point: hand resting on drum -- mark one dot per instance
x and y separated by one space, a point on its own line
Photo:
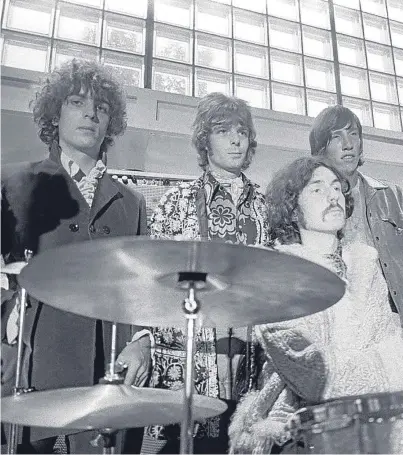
136 359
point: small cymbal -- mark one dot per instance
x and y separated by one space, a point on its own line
135 280
14 268
104 406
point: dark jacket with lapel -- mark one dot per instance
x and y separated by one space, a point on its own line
42 208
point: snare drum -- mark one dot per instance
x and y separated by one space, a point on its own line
370 423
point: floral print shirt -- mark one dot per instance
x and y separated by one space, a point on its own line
202 209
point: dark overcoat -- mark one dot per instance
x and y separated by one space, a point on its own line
42 208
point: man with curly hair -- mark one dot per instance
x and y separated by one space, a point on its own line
68 198
352 348
378 216
222 204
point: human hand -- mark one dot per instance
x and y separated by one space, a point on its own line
136 358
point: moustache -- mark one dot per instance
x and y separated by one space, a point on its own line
332 207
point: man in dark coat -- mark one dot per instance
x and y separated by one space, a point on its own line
68 198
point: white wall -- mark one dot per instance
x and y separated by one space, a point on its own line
158 134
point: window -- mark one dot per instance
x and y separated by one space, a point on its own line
256 92
317 43
285 35
35 16
212 81
317 101
171 78
28 53
251 60
286 67
276 54
250 27
354 82
78 24
351 51
173 44
288 99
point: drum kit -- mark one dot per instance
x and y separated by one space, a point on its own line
170 283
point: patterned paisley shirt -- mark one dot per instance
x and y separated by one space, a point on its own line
202 209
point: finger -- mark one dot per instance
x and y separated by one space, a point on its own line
141 380
132 373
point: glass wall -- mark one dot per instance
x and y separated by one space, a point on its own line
295 56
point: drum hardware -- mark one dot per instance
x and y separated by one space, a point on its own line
142 274
13 435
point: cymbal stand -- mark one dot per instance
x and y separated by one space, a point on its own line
13 435
111 377
191 307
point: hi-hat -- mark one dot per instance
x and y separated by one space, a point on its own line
104 406
135 280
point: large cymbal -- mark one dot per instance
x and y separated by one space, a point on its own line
134 280
104 406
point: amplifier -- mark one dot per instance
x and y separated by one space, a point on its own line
152 185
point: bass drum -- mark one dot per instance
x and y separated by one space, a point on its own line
370 423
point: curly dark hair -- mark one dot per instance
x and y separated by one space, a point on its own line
69 79
283 192
330 119
217 108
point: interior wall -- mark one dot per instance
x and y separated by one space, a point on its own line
158 135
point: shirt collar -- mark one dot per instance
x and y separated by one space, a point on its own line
373 183
210 184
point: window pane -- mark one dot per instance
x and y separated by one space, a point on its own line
285 35
63 52
95 3
319 74
124 34
213 18
398 61
172 78
126 68
31 53
213 52
354 82
131 7
212 81
178 12
173 44
400 90
78 24
315 12
317 101
255 92
348 21
288 99
377 7
379 57
286 67
351 51
396 30
317 42
35 16
250 26
376 29
361 108
288 9
251 60
349 3
395 10
383 88
256 5
386 117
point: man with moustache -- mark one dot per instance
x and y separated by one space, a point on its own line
377 219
